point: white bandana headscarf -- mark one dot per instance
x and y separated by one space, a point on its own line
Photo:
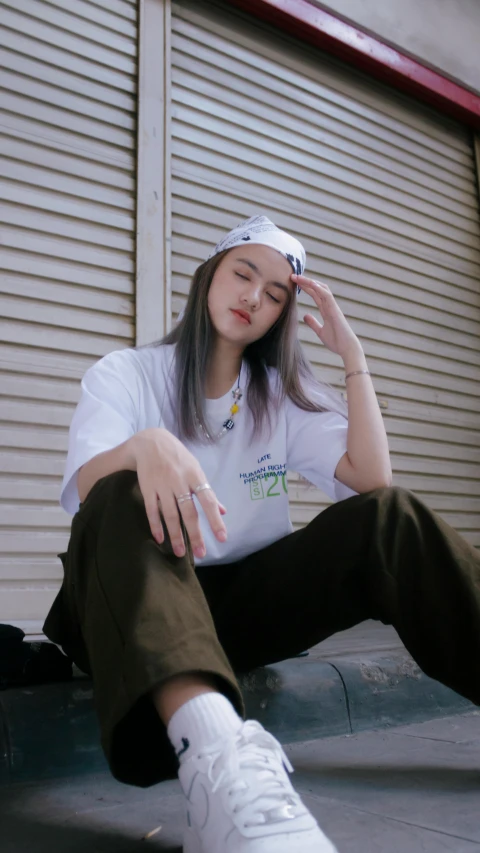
261 230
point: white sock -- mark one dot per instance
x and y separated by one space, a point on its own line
200 722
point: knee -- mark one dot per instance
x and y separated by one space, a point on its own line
391 493
394 495
124 485
118 486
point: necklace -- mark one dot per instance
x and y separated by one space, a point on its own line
227 425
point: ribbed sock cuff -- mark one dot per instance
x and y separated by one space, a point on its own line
202 721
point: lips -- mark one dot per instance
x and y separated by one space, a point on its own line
243 314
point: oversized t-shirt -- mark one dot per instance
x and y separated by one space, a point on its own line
131 390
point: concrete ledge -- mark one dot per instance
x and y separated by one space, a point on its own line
392 691
306 699
297 699
51 730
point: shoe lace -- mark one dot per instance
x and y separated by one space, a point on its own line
255 749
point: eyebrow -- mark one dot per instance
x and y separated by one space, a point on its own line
255 269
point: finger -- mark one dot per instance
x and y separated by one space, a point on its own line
306 280
171 517
211 508
153 514
319 293
313 324
311 286
189 514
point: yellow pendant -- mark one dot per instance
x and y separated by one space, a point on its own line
234 409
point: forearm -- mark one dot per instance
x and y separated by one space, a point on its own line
120 458
367 443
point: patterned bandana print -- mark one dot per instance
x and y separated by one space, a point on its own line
261 230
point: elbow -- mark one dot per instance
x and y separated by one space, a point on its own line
81 486
385 480
381 480
386 484
389 475
364 479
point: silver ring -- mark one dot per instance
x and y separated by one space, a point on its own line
183 498
201 488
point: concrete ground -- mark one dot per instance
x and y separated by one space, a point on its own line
402 790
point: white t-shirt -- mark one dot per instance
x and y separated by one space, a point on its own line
130 390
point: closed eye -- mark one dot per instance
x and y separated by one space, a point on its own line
246 278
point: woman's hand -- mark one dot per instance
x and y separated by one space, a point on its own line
336 334
166 470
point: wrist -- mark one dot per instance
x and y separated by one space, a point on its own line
354 359
130 453
135 447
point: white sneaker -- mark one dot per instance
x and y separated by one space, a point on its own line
240 799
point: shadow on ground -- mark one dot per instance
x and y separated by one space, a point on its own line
95 814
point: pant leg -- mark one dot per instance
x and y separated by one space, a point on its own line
381 555
134 614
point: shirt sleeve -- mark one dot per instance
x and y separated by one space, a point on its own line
316 441
106 415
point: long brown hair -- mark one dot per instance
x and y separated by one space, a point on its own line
278 348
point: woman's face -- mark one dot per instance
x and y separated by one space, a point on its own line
253 281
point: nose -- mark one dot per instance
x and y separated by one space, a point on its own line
251 295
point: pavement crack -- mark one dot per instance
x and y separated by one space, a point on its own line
437 739
347 700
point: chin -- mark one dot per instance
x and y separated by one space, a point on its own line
240 337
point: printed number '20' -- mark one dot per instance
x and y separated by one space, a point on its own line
270 493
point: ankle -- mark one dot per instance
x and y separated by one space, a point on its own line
177 691
201 722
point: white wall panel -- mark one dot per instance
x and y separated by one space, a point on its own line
67 266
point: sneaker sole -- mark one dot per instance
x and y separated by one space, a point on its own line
191 842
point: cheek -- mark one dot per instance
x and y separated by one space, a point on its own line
212 299
270 319
279 311
218 289
280 314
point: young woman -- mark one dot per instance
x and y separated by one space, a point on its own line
182 568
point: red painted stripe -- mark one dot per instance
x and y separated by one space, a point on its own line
325 31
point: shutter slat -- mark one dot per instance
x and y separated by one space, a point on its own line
29 287
83 39
191 74
18 488
21 46
80 209
57 161
53 338
330 85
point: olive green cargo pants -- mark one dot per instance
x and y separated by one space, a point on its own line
133 614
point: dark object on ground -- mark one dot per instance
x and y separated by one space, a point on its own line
23 663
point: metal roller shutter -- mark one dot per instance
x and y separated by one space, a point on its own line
67 228
381 190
